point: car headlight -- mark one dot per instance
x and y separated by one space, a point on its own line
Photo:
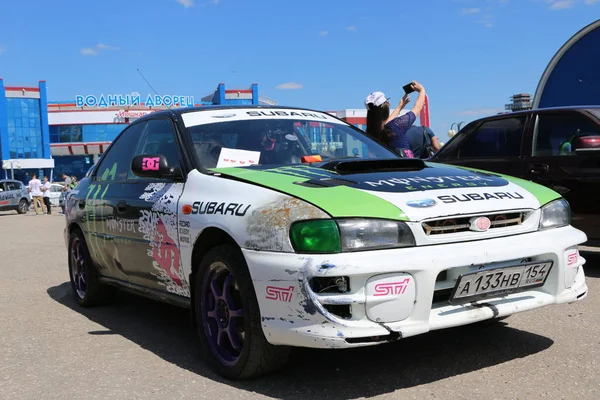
335 236
555 215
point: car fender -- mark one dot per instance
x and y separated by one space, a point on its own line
257 218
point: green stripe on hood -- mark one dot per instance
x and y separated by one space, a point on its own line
544 194
337 201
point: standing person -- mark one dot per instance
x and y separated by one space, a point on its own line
67 180
390 128
35 188
419 137
46 190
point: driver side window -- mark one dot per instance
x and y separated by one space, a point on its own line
158 138
115 164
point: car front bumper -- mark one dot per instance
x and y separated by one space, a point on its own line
294 312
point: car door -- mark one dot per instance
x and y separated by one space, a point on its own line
12 194
492 144
102 221
555 162
151 256
4 196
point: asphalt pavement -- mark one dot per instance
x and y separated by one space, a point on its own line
140 349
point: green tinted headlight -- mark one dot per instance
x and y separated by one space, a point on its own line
315 236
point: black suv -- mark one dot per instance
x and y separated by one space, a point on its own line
556 147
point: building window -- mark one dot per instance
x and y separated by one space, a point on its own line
24 128
85 133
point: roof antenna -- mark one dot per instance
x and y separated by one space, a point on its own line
154 90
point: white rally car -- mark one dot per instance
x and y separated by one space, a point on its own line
285 227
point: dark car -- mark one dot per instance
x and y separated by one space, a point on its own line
13 196
556 147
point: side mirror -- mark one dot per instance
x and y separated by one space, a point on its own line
153 166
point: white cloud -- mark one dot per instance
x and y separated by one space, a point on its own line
590 2
324 33
103 46
561 4
94 51
2 49
88 51
289 86
470 11
186 3
351 28
480 111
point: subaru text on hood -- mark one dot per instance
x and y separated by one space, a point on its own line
282 227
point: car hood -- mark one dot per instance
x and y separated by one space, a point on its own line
405 190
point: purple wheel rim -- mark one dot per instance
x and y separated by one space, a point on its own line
78 270
222 314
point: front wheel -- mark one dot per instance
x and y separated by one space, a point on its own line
88 291
23 206
228 318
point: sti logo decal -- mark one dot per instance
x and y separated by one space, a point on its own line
480 196
422 203
213 207
391 288
280 294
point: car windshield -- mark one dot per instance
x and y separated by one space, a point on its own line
286 141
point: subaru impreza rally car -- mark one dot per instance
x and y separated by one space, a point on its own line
285 227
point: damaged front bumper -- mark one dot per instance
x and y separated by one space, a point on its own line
362 298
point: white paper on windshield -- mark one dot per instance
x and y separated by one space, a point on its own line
237 158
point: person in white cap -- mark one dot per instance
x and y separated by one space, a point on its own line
390 128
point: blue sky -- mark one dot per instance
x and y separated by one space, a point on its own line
471 55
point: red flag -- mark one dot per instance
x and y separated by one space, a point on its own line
425 113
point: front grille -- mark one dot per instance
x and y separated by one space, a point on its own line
463 224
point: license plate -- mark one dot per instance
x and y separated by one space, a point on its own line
498 281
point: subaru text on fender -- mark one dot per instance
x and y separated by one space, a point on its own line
285 227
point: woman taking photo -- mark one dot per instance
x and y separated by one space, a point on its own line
390 128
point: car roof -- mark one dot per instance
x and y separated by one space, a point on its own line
539 110
184 110
10 180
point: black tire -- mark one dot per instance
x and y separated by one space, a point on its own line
23 206
95 293
257 357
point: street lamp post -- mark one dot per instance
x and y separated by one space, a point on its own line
453 132
12 164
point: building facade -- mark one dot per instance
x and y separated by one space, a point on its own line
519 102
24 132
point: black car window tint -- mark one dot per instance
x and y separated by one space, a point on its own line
556 134
115 164
159 138
496 138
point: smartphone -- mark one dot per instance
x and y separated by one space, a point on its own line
408 88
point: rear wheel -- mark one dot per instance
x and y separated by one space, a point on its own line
88 291
23 206
228 318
